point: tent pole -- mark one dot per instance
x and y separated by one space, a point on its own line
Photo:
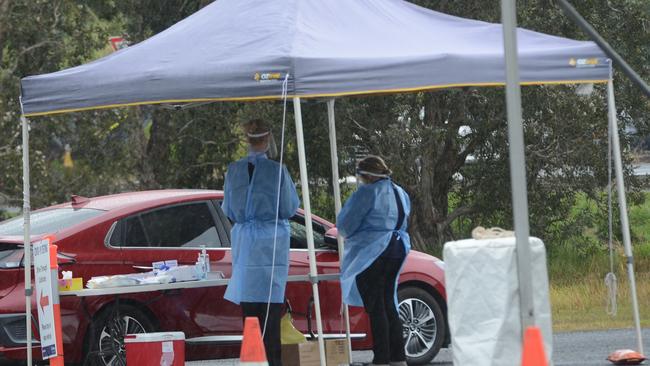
337 207
620 189
517 164
304 183
26 240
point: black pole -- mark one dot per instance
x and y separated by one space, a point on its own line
571 12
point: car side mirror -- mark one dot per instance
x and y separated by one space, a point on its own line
65 259
330 238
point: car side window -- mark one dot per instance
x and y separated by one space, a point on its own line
223 224
185 225
299 233
134 232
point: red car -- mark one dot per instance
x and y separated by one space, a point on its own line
125 233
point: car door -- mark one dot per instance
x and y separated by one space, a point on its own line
177 232
299 294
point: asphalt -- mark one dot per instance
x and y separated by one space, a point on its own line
569 349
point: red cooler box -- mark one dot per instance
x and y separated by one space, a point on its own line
155 349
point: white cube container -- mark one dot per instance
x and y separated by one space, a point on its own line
483 300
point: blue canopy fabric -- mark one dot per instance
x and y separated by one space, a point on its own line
244 49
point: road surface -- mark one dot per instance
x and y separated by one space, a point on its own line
570 349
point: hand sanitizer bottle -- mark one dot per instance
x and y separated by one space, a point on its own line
206 260
200 267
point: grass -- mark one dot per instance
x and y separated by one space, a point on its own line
578 293
583 304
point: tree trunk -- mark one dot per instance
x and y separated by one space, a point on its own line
4 16
429 209
443 155
146 177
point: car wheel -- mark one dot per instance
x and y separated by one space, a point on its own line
108 330
423 324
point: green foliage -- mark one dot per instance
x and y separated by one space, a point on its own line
58 34
418 134
585 252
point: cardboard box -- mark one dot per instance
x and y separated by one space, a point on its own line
300 354
336 352
306 353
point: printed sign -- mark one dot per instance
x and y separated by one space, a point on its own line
43 280
117 43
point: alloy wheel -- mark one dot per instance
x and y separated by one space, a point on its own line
112 350
418 327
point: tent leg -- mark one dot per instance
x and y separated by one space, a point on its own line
337 206
625 226
517 164
304 182
26 239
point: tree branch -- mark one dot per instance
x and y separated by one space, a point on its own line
201 165
26 50
185 126
180 10
355 122
458 212
34 46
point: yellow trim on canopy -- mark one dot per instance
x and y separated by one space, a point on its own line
275 97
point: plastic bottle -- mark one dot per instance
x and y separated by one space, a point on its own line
200 266
206 261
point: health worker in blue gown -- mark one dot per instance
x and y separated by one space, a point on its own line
373 222
260 247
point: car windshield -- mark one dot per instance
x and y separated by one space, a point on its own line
48 221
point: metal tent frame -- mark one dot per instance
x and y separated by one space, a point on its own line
520 206
518 178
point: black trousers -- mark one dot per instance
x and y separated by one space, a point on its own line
377 288
272 336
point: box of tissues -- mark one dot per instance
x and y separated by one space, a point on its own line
68 283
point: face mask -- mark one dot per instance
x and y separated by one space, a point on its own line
360 181
360 172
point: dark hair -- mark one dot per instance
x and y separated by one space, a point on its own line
254 127
374 164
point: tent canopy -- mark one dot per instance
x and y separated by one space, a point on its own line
243 49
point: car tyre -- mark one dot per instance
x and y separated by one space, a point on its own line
423 324
107 331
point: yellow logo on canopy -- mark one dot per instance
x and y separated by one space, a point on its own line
584 62
267 76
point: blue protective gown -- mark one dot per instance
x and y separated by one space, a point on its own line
252 206
367 221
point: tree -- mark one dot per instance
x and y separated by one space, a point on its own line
113 150
448 148
40 36
566 134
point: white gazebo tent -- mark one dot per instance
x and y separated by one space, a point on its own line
243 50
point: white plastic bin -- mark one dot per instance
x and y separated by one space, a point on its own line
483 300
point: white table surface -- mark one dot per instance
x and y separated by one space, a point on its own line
213 280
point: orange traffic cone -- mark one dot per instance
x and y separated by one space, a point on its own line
533 354
252 346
